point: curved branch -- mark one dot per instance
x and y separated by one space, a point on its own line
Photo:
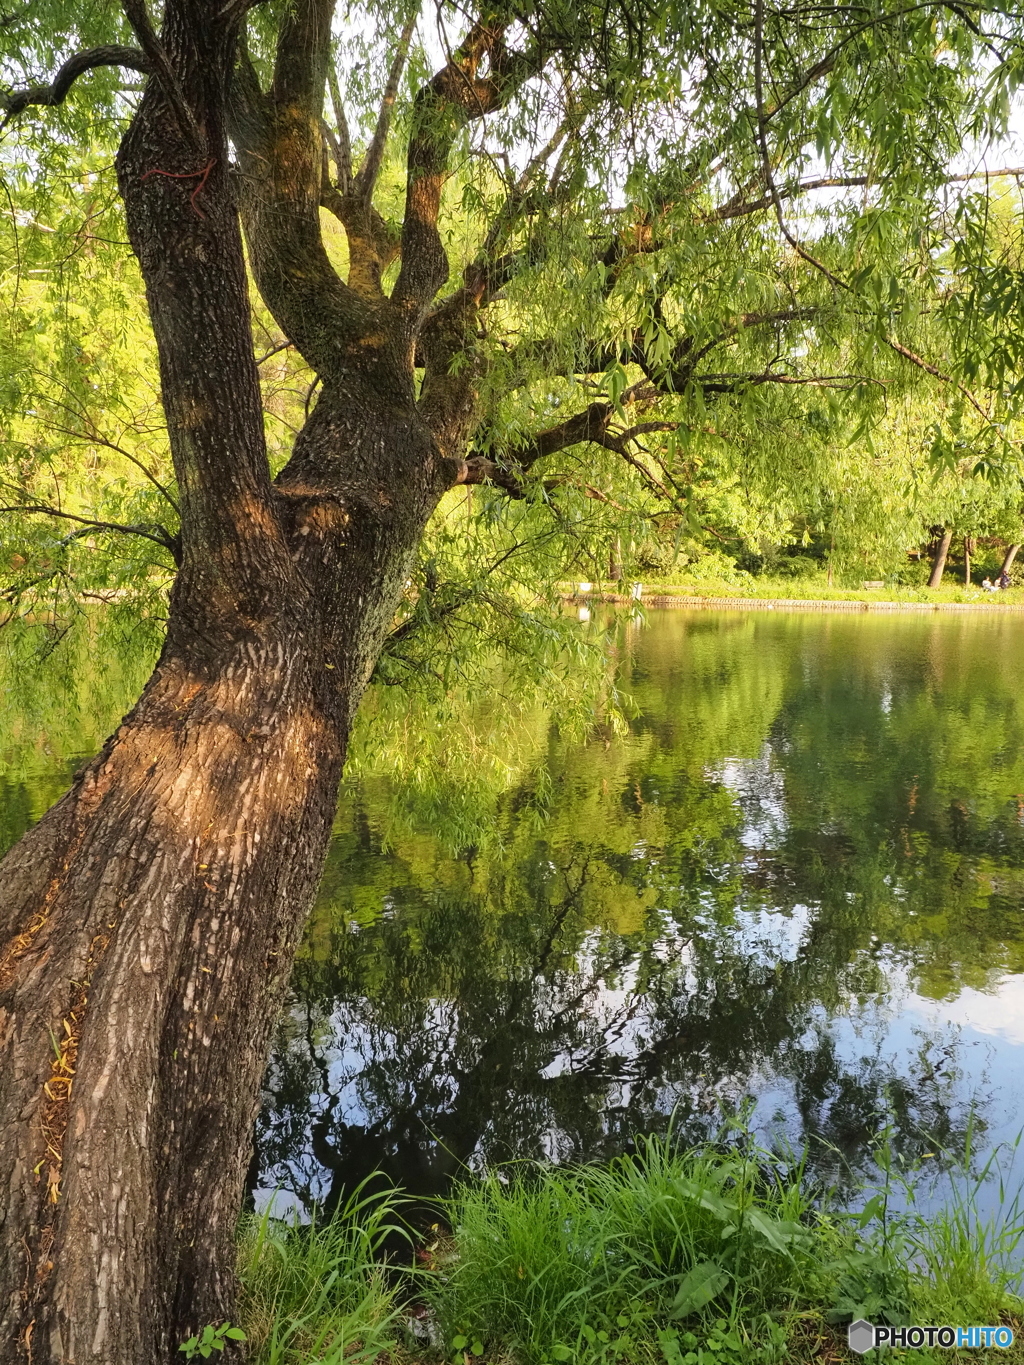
941 375
827 63
592 424
156 534
16 101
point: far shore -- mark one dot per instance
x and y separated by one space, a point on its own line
658 595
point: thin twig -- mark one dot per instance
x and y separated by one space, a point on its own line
739 208
274 350
93 438
159 536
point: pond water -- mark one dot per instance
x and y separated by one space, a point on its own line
796 885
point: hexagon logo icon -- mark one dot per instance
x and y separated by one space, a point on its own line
861 1336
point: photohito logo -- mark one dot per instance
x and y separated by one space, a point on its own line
864 1336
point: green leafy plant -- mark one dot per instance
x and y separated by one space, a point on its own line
211 1339
548 1257
461 1344
724 1254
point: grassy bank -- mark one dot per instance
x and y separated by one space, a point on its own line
721 1255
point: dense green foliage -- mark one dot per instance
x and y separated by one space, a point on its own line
709 1255
320 1291
796 374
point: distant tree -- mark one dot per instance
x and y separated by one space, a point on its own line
636 173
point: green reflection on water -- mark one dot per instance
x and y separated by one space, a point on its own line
812 833
812 820
61 694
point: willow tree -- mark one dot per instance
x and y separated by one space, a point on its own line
148 921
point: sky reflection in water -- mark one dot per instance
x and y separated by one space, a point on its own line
799 879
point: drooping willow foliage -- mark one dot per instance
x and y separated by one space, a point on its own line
755 253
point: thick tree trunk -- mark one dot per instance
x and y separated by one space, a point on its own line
1008 558
148 923
143 961
939 561
968 551
147 929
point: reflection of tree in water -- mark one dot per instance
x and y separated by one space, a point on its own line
576 1042
653 941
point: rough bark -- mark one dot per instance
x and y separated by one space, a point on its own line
939 559
148 923
1008 558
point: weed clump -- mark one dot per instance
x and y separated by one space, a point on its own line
724 1255
319 1291
721 1255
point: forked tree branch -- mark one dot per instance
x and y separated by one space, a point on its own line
456 95
372 245
594 424
450 328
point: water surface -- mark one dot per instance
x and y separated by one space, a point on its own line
797 883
